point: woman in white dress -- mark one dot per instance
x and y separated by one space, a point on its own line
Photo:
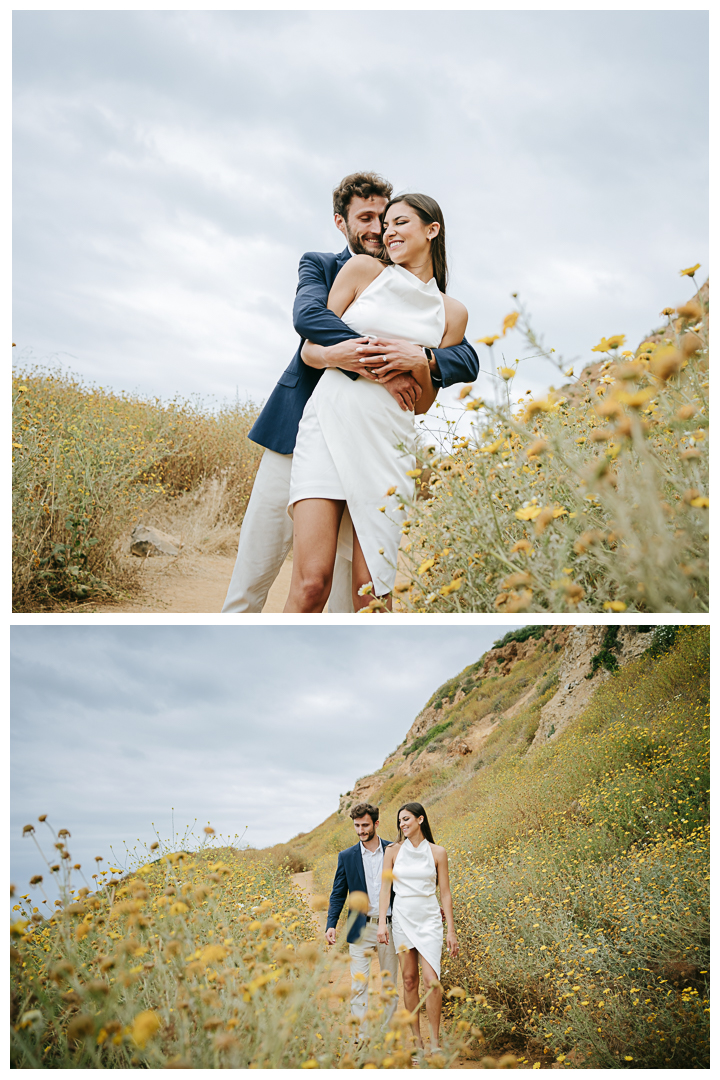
349 482
416 867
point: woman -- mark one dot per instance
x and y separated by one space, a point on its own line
349 480
417 866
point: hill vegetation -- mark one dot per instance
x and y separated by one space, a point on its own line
579 868
89 464
592 498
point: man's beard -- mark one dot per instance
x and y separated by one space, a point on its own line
356 244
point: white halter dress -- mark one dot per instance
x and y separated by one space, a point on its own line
416 919
347 443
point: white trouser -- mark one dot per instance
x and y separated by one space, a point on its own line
360 956
265 540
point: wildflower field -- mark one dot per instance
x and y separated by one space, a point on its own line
579 870
204 959
88 464
591 499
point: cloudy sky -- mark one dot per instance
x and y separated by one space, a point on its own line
264 727
172 166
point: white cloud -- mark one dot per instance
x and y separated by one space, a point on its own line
114 726
171 167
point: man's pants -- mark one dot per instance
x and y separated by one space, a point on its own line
265 540
360 969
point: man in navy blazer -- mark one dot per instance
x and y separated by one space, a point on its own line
266 535
359 869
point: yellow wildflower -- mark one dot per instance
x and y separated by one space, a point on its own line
509 321
145 1025
690 272
608 344
487 340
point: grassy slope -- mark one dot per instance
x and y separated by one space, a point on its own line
579 870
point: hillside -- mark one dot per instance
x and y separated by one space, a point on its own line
574 807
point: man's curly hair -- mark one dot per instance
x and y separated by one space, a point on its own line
363 184
363 808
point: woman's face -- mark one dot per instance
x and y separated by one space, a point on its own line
409 824
406 237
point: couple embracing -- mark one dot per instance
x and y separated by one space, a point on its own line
404 920
379 337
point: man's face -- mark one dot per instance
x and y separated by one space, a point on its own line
362 228
364 827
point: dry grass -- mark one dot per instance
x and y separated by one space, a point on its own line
587 501
88 465
199 959
579 870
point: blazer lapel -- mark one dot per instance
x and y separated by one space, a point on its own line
360 867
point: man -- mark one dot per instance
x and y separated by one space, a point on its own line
266 535
359 869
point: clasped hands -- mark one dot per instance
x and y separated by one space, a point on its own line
384 360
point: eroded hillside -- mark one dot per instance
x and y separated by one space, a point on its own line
575 814
545 679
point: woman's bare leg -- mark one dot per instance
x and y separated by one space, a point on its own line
433 1002
361 576
411 985
316 523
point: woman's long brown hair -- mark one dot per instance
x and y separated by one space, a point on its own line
428 211
417 811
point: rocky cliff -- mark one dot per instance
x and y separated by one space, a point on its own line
555 672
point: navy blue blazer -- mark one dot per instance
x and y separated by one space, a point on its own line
276 426
349 877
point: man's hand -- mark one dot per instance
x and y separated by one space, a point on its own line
405 389
330 935
346 355
395 357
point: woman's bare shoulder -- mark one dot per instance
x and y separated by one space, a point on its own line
438 851
361 268
454 309
456 319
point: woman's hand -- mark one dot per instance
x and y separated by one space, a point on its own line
452 943
382 933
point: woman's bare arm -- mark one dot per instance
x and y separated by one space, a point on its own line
456 318
353 278
441 863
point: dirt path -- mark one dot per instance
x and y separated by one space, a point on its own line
341 976
191 583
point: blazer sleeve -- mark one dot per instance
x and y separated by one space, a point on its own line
338 894
312 318
459 363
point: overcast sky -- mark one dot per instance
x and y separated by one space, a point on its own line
264 727
172 166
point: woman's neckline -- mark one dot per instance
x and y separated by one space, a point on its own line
431 284
416 846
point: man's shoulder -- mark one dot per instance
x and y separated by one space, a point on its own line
326 258
349 850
